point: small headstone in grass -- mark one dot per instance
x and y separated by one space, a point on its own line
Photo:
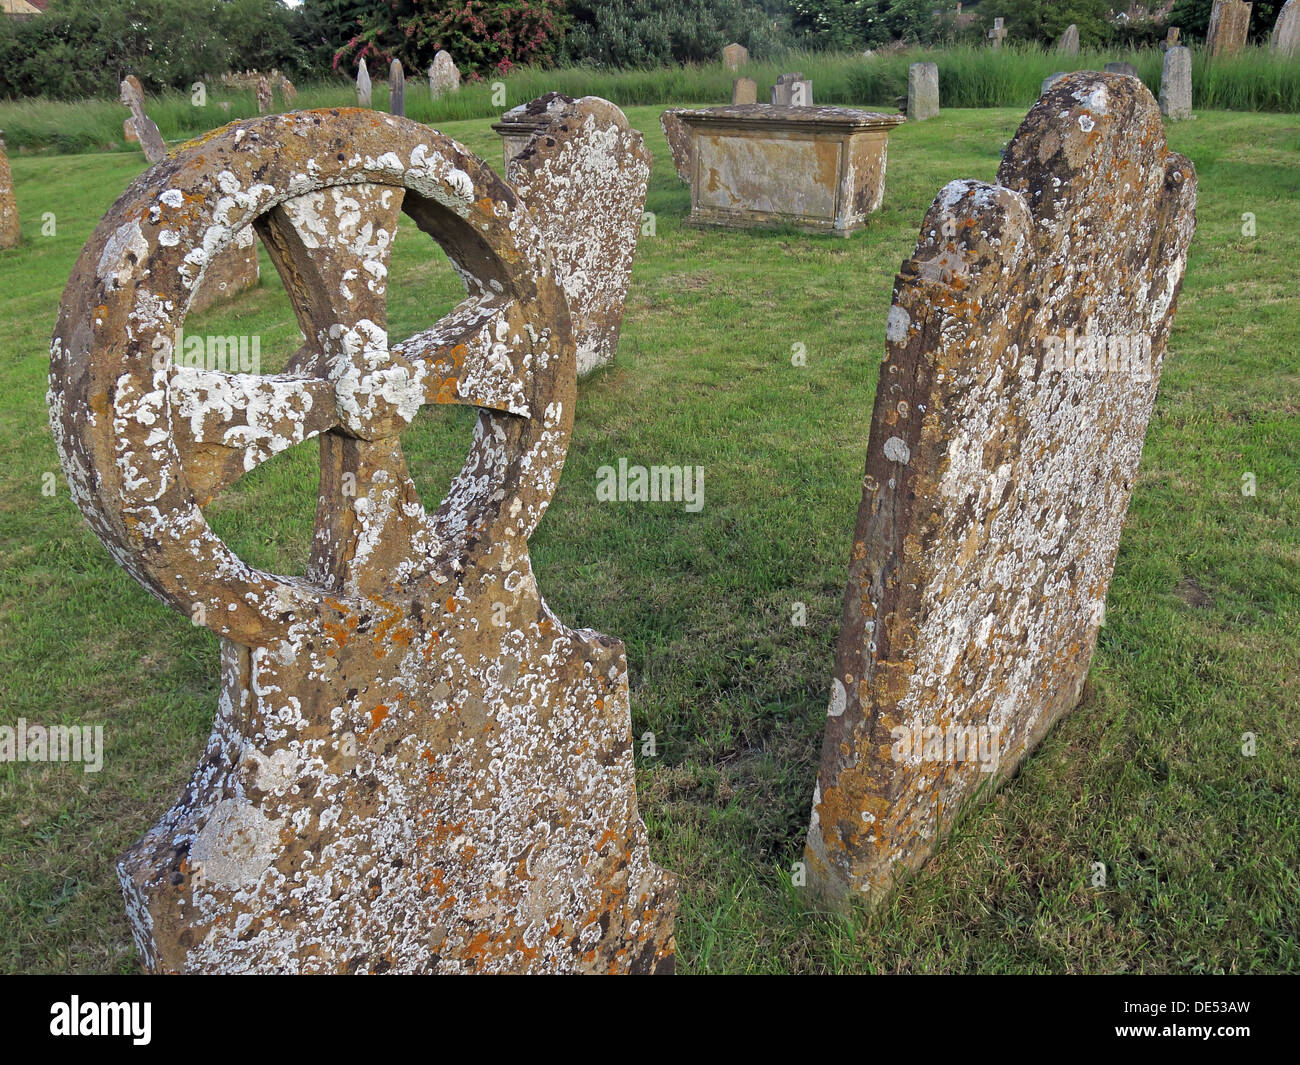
735 56
396 88
150 139
1023 352
10 231
1286 31
998 32
1229 27
744 91
922 91
792 90
230 272
444 75
1051 80
1068 42
1176 84
1171 38
1122 68
265 101
363 85
287 92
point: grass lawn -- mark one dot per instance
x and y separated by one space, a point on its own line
1201 643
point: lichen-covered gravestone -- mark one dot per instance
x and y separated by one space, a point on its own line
744 91
444 76
1068 42
1286 31
364 88
151 142
10 231
1229 27
415 765
396 89
735 56
1024 347
922 91
1176 84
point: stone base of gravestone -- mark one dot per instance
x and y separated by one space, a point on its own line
1123 68
1176 84
922 91
233 271
1286 31
744 91
10 231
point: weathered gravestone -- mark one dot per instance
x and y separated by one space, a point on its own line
415 766
287 92
735 56
1171 38
744 91
1286 31
520 124
1068 42
10 231
922 91
681 142
792 90
1127 69
444 76
998 32
1176 84
591 170
265 101
1229 27
151 142
1024 346
1051 80
363 85
396 89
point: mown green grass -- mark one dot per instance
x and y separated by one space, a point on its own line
1200 643
1255 80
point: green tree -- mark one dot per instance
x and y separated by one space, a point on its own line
646 33
1045 20
854 24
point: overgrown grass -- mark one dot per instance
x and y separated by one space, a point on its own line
1255 80
1200 643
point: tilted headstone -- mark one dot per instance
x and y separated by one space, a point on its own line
416 766
151 142
1286 31
681 143
1024 347
744 91
396 89
1068 42
229 272
735 56
1051 80
10 231
444 76
265 101
1176 84
1127 69
287 92
363 85
1229 27
998 32
792 90
922 91
591 170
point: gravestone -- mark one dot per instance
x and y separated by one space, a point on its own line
1171 38
151 142
1229 27
1127 69
998 32
1068 42
1176 84
415 766
287 92
265 101
735 56
444 76
10 231
1051 80
792 90
744 91
396 89
591 169
1024 347
128 132
520 124
363 85
1286 31
229 272
681 142
922 91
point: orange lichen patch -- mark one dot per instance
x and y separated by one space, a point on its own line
377 715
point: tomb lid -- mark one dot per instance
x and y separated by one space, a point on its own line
779 116
533 115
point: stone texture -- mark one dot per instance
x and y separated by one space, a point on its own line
10 231
1068 42
744 91
265 101
792 90
1229 27
128 132
1051 80
396 89
1176 84
416 766
1122 68
922 91
997 479
151 142
520 124
230 272
735 56
1286 31
821 169
364 87
444 76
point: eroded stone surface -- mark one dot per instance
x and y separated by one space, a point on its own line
1229 27
415 765
1286 31
922 91
1176 84
444 76
10 231
998 471
1068 42
584 175
151 142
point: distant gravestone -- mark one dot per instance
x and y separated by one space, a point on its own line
10 231
735 56
287 92
265 101
1176 84
1286 31
998 32
744 91
1051 80
792 90
1024 349
1068 42
1171 38
922 91
1123 68
151 141
444 75
1229 27
228 273
363 85
396 88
